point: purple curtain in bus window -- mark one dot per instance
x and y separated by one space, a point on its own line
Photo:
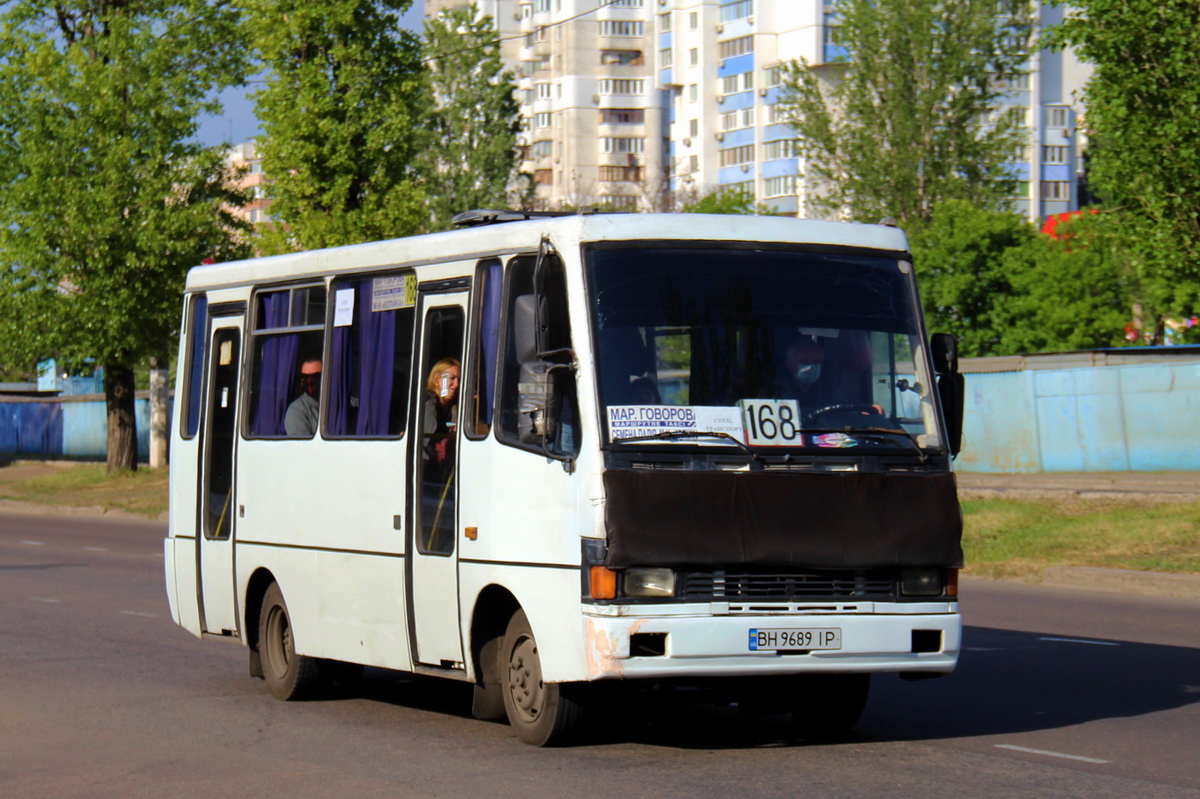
277 372
377 352
489 335
339 372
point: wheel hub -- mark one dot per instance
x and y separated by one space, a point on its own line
525 679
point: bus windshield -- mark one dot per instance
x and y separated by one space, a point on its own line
774 346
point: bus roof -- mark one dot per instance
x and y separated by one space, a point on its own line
563 231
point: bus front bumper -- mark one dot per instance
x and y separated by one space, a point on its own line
659 646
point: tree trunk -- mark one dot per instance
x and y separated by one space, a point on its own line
122 422
158 413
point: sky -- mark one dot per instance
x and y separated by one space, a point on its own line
238 123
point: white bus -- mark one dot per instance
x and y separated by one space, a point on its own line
558 456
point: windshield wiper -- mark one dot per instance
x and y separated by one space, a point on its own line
667 435
872 433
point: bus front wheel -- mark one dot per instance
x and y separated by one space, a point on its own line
288 675
828 705
541 713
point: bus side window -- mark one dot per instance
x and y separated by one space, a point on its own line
198 333
566 440
289 336
370 359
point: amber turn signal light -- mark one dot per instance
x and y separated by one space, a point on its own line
603 583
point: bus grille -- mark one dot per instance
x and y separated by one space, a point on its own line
787 586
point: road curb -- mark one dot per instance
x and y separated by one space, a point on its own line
1123 581
1035 494
34 509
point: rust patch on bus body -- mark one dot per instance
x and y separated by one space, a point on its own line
606 649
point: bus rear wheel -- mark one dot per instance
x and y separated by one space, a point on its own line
541 713
289 676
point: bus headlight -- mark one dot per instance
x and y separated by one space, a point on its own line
921 582
649 583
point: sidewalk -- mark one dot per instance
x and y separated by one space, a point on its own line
1166 486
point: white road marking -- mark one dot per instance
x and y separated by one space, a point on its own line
34 543
1029 751
95 549
1078 641
138 613
47 599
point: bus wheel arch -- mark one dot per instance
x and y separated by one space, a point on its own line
494 608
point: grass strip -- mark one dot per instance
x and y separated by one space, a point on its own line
1018 539
143 493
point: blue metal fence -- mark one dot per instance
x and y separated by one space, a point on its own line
64 427
1135 409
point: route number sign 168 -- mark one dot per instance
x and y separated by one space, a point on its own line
771 423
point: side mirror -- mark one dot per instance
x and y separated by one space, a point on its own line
950 386
944 348
952 393
537 403
527 333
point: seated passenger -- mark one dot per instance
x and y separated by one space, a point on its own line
303 415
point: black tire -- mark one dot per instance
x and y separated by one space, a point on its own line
828 705
289 676
541 713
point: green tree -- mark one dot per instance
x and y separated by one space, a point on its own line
340 114
105 200
472 158
1068 292
914 114
992 279
965 260
726 202
1143 110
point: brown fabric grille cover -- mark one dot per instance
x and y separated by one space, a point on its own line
835 520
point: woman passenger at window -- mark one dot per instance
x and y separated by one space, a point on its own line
441 417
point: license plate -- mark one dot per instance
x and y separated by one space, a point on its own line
795 638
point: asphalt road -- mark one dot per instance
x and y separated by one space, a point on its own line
1059 693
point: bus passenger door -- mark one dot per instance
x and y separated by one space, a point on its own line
433 517
218 605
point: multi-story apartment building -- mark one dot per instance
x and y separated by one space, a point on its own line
629 103
594 122
253 181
